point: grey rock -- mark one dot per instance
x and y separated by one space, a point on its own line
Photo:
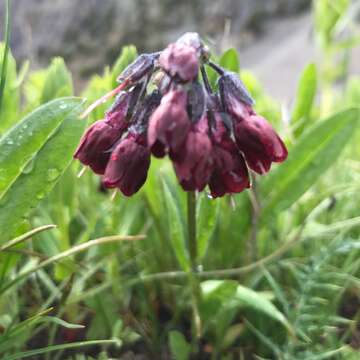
90 33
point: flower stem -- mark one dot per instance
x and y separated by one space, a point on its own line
193 278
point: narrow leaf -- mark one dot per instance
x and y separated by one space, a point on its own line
314 153
305 96
177 225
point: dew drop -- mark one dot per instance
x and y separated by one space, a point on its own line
10 142
40 195
29 167
52 174
63 106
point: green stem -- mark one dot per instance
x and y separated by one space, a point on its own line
193 278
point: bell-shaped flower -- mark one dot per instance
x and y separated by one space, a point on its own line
259 143
128 165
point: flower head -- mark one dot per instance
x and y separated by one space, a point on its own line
212 138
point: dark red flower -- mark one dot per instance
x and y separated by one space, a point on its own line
128 165
180 61
94 148
259 143
169 125
230 174
195 167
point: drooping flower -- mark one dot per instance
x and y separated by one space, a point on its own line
95 145
194 169
128 165
259 142
169 125
230 174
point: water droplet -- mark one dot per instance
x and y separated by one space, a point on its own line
40 195
63 106
29 167
10 142
25 126
52 174
209 196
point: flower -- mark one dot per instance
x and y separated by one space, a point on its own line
128 165
94 149
212 137
169 125
259 142
230 174
194 169
180 61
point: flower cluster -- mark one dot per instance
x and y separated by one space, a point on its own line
212 138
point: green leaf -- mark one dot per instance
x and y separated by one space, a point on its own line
10 98
47 158
176 223
231 294
230 60
127 56
75 345
58 81
305 96
20 145
254 300
314 153
5 53
207 217
179 347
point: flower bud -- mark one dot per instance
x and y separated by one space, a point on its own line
141 67
235 97
180 62
259 143
128 165
95 145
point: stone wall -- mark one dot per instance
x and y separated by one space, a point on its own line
90 32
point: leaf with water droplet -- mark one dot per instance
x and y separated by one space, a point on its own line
29 188
19 146
52 174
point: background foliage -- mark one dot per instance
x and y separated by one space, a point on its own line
280 263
